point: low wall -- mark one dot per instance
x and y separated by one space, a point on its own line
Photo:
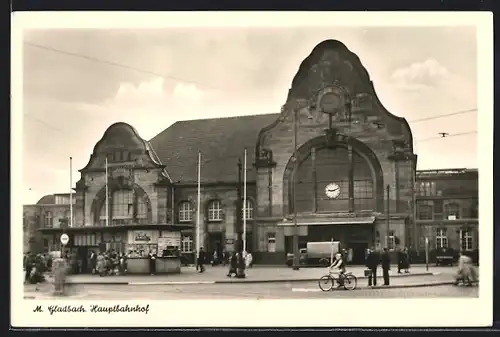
164 265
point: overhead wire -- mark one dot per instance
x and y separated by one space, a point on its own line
123 66
176 78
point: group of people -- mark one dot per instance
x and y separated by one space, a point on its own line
35 265
237 262
108 263
374 258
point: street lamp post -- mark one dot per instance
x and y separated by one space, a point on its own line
238 211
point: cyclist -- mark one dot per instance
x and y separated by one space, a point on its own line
338 268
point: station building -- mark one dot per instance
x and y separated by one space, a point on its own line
334 159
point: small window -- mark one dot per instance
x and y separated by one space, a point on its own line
185 211
215 211
271 242
248 210
466 239
452 211
48 222
441 238
391 241
187 244
424 212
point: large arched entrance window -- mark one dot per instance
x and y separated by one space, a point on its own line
125 208
335 180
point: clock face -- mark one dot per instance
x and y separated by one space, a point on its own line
330 102
332 190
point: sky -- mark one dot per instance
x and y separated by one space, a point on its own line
77 82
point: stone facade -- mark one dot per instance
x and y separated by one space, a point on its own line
331 105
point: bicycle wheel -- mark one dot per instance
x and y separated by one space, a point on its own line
325 283
350 282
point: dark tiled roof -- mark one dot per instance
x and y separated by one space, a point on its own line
220 140
47 200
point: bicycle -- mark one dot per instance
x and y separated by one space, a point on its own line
347 280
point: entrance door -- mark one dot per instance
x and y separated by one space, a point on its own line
82 256
215 244
358 252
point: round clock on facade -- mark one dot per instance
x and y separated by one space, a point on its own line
332 190
330 102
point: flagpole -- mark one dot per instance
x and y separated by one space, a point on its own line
70 191
198 208
107 195
245 202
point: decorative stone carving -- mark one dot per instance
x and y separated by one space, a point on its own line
265 158
333 100
400 150
333 137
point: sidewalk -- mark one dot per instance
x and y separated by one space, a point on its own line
214 275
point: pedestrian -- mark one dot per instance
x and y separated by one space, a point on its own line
386 266
201 261
28 261
232 265
372 262
400 260
224 258
101 264
406 260
152 262
249 260
123 264
240 266
93 262
214 258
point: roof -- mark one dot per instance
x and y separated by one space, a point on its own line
221 142
47 200
446 172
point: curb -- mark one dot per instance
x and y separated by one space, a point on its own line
231 281
399 286
417 285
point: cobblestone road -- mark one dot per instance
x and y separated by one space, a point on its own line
284 290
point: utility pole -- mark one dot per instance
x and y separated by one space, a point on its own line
388 190
238 245
296 262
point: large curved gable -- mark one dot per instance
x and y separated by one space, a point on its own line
332 62
122 137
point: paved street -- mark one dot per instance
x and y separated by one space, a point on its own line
254 291
217 274
280 290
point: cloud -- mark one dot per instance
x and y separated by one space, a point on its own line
420 75
187 92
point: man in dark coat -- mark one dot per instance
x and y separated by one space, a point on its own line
152 262
400 260
372 262
28 263
386 265
201 260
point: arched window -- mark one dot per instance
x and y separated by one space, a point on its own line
122 207
48 221
215 211
328 170
248 210
185 211
452 211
